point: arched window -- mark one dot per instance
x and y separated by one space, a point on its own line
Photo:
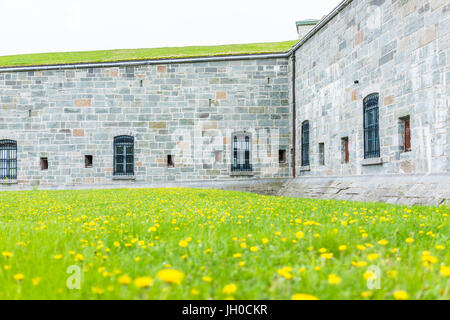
371 128
123 156
8 159
305 143
241 152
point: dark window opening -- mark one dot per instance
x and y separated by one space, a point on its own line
345 150
88 161
241 152
305 143
124 156
8 159
170 162
406 133
282 156
371 127
321 154
44 164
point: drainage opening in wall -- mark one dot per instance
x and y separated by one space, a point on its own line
44 164
88 161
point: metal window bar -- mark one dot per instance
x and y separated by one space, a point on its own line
124 156
241 153
305 143
8 159
371 127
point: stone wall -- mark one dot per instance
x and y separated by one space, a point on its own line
418 189
188 110
397 48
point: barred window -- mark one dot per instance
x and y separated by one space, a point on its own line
8 159
371 128
241 152
124 156
305 143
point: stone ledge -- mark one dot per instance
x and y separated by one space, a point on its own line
305 168
124 178
242 173
372 161
9 181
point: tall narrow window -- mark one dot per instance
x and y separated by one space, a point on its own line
344 150
305 143
170 162
241 152
282 156
124 156
371 128
88 159
406 133
8 159
44 164
321 154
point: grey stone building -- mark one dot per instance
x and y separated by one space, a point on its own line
358 109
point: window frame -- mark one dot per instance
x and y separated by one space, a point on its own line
371 126
241 158
125 142
305 161
8 159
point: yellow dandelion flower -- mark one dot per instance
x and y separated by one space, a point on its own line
440 247
170 276
409 240
7 254
303 296
264 240
285 272
79 257
19 277
116 244
143 282
183 243
333 279
206 278
360 247
392 273
98 291
326 256
229 289
369 275
383 242
445 271
35 281
299 235
253 249
322 250
195 292
373 256
124 280
366 294
400 295
57 256
342 247
237 255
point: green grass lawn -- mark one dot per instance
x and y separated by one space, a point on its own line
141 54
210 244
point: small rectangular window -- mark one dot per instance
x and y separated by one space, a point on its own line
170 162
44 164
282 156
321 154
218 156
405 132
344 150
88 161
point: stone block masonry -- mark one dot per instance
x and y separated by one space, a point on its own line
187 110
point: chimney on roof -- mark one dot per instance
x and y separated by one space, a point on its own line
304 26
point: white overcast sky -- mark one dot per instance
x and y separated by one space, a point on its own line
29 26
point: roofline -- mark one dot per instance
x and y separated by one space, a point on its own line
307 22
146 62
319 25
286 54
